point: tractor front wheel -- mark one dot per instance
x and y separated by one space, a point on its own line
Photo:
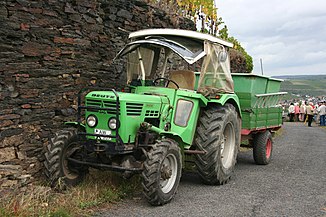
58 169
162 172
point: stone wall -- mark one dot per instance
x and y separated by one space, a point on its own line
49 50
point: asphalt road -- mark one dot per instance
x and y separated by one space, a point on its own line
293 184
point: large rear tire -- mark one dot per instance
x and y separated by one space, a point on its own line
263 148
59 171
162 172
218 134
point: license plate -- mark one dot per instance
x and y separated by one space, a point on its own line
103 132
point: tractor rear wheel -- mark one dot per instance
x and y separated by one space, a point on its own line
218 134
263 147
162 172
59 171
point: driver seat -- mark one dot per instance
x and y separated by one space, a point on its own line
184 78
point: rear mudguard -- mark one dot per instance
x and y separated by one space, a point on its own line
227 98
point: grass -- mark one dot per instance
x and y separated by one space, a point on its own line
323 127
279 132
99 190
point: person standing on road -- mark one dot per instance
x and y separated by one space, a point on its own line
322 113
291 112
310 113
302 111
296 111
316 115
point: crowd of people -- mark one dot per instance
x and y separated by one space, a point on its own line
307 112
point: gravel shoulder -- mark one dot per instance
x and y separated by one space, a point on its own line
293 184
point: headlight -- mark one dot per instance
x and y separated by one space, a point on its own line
91 121
112 123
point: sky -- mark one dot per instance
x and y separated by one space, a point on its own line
288 35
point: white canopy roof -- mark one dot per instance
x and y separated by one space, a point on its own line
180 33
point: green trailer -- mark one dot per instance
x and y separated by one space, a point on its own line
166 114
259 100
261 110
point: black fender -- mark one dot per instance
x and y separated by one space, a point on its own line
77 125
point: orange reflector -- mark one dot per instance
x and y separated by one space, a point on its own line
217 96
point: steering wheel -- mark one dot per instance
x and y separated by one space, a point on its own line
167 82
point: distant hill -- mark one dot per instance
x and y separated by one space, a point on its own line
300 77
311 85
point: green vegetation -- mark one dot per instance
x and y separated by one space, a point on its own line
223 33
310 85
99 190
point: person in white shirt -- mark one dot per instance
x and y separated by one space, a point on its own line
310 110
302 111
322 112
291 112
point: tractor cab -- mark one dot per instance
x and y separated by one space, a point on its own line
171 57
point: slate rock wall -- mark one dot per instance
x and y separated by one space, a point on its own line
49 50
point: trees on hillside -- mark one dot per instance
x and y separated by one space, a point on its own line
202 12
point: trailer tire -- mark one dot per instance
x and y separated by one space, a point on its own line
218 134
59 171
162 172
263 148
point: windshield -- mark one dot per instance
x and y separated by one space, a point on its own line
154 56
215 76
134 71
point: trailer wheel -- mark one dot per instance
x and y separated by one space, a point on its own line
60 172
162 172
218 134
263 147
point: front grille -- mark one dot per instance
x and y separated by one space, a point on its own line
134 109
92 102
111 105
95 105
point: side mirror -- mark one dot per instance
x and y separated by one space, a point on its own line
222 55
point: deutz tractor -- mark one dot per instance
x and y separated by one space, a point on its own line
168 113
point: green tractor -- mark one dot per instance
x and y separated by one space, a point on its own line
169 112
